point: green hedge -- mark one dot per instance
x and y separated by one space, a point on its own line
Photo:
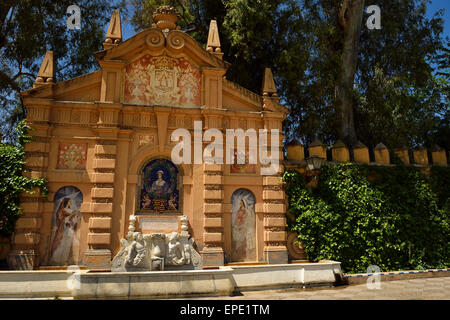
366 215
13 182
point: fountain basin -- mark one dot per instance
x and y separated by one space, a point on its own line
222 281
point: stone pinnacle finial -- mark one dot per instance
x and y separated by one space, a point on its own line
268 86
213 44
114 33
166 18
47 71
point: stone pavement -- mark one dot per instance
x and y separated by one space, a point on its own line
413 289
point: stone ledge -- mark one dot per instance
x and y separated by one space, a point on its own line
170 284
99 238
104 163
213 194
102 192
273 195
105 149
35 283
266 276
212 237
99 223
213 207
213 223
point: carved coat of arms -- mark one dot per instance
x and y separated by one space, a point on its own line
162 80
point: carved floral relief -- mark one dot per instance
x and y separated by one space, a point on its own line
72 156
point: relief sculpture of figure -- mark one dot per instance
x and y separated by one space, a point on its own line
152 251
146 202
136 257
175 255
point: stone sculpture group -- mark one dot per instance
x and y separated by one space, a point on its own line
155 251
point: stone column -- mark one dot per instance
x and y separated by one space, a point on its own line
381 154
295 151
340 152
98 256
438 155
213 254
274 208
420 156
25 253
402 153
317 148
275 250
361 153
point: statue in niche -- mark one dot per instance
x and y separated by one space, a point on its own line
175 255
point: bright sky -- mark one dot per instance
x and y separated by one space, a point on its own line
441 4
128 30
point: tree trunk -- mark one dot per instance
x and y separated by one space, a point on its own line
350 18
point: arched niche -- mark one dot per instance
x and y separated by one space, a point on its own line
159 188
243 226
65 229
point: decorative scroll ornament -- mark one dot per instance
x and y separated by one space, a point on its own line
175 40
155 38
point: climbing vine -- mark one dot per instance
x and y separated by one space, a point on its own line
392 217
13 182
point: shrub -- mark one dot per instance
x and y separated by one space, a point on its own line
13 182
370 215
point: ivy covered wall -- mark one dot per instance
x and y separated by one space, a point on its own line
393 217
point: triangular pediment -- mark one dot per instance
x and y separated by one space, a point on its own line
156 42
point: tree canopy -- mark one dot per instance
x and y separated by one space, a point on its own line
398 96
401 81
28 29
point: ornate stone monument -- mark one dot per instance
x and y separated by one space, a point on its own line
156 251
103 142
